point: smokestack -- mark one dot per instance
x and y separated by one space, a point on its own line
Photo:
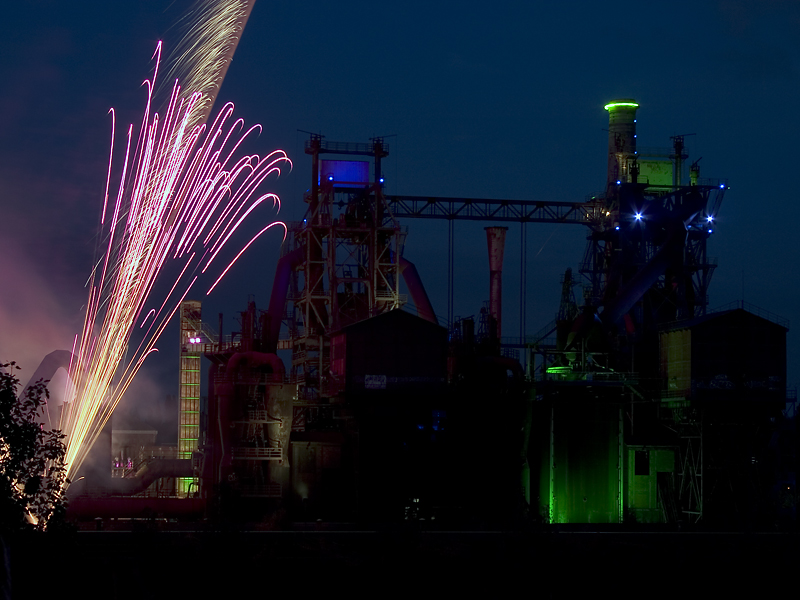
621 139
496 239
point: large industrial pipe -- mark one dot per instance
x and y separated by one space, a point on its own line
621 139
417 290
277 299
496 239
58 359
155 469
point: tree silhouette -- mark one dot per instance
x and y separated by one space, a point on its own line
32 467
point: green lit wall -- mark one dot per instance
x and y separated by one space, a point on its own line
676 361
580 478
642 467
655 172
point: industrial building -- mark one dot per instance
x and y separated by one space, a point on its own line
347 399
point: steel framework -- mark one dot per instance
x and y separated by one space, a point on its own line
644 244
609 226
688 490
349 266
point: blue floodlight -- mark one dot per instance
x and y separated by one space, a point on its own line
617 227
638 216
709 218
722 186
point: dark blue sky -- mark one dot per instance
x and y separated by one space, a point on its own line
500 100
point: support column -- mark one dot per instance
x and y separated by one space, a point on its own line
496 239
523 272
450 260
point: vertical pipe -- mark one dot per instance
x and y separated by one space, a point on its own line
551 517
620 469
525 471
522 279
220 339
496 239
450 259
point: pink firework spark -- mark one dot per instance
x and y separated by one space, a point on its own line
182 196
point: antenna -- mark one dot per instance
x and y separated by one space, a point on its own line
311 133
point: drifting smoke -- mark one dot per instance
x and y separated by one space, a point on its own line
33 320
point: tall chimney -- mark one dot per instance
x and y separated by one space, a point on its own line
621 139
496 239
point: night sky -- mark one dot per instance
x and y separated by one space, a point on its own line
499 100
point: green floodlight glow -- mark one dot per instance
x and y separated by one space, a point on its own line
616 104
559 369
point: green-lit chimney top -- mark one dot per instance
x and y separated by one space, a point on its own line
624 103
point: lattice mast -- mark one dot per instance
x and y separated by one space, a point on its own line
351 247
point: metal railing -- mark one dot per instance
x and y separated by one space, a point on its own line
654 151
628 378
257 453
260 416
384 295
347 147
259 379
712 182
675 393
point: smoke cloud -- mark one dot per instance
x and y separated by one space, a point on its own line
35 318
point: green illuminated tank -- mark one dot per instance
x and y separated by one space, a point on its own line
580 480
